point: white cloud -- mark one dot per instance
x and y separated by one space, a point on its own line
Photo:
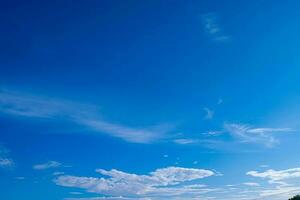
264 166
58 173
47 165
107 198
185 141
213 133
276 175
24 105
256 135
76 193
161 182
212 27
209 113
127 133
281 192
230 185
251 184
267 130
5 160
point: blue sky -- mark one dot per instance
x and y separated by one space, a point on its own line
149 100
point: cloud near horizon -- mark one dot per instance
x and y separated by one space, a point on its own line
276 175
164 182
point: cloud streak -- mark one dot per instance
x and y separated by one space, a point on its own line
17 104
47 165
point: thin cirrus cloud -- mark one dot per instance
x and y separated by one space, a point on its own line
255 135
161 183
47 165
209 114
240 133
212 27
5 160
251 184
18 104
185 141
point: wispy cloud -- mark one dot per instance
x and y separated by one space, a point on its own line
209 114
47 165
107 198
240 133
213 133
276 175
212 27
186 141
251 184
20 178
256 135
5 160
280 192
264 166
58 173
284 183
164 182
75 192
18 104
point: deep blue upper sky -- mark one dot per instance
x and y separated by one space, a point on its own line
148 100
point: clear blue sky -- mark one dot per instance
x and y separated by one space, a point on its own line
149 100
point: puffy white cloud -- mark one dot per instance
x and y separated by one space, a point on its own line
47 165
161 182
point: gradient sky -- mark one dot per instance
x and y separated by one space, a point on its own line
149 100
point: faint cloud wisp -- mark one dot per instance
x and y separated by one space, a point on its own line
212 27
254 135
18 104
